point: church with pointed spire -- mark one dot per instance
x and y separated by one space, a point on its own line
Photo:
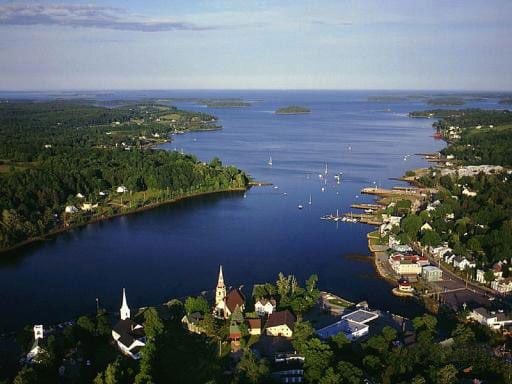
226 303
128 335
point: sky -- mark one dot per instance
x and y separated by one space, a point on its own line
243 44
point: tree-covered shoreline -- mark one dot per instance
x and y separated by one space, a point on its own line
64 164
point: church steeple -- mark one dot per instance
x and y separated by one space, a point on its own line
220 292
125 310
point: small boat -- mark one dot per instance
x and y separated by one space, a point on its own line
269 160
300 206
276 187
310 201
325 172
323 189
245 195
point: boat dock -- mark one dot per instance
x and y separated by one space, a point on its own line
387 192
364 218
367 206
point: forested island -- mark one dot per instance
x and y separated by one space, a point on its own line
292 110
224 103
446 101
64 164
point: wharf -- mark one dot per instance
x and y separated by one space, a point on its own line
387 192
363 218
367 206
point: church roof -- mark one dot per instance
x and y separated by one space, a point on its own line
233 298
129 331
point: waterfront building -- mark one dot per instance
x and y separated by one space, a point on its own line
495 320
404 285
280 323
431 273
128 335
354 325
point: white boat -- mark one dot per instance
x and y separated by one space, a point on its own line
300 206
310 201
325 172
269 160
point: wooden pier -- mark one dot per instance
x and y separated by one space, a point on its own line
368 206
364 218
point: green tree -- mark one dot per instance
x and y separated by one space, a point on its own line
330 377
489 276
27 375
317 358
447 375
86 324
251 370
153 326
349 373
303 331
196 304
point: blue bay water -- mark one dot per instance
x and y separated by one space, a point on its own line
175 250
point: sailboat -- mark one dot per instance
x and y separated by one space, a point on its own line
310 201
269 160
325 169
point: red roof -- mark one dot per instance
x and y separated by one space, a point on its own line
254 323
233 298
276 319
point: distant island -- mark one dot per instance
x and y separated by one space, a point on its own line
292 110
506 101
224 103
386 99
446 101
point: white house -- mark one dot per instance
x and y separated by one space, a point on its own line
88 206
129 336
70 209
280 323
425 227
265 307
468 193
37 350
121 189
480 276
462 263
449 257
494 320
502 285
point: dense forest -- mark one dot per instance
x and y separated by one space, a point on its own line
61 154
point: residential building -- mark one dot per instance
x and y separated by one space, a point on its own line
462 263
480 276
502 285
405 264
280 323
192 322
265 306
254 326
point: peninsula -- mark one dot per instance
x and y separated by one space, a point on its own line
292 110
65 164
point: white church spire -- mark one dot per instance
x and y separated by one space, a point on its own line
125 310
220 292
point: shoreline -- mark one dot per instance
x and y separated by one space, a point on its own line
119 214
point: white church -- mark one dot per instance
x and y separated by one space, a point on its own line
226 303
129 336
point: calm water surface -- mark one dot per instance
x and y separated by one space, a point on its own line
175 250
